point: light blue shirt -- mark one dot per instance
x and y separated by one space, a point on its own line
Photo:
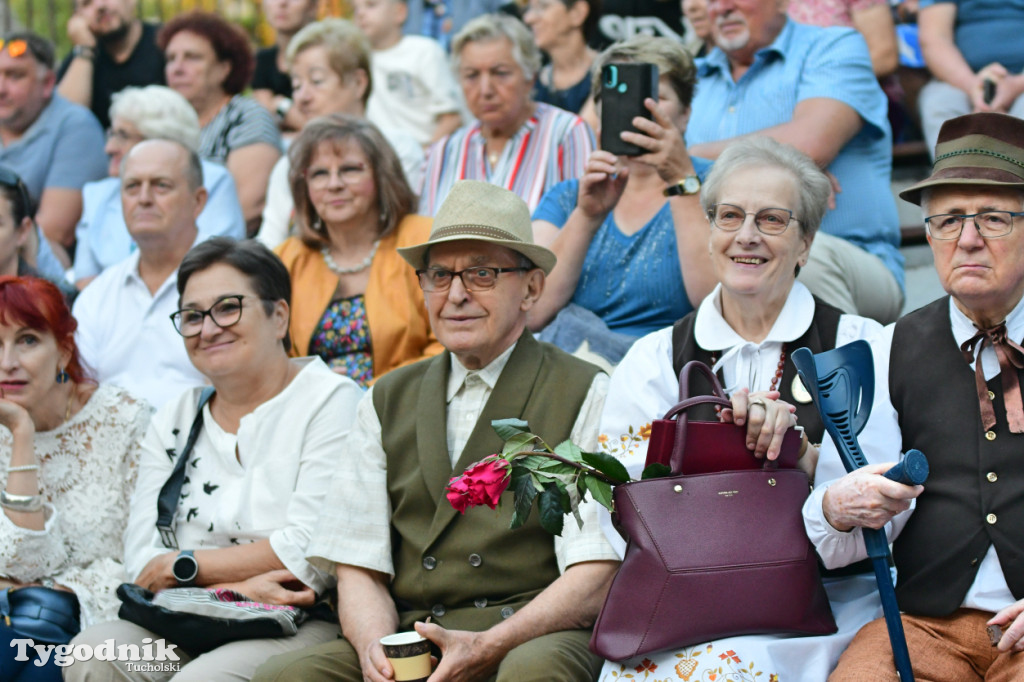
805 62
62 148
102 235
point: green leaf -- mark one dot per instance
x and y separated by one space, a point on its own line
607 465
523 492
656 470
507 428
549 505
600 491
570 451
517 443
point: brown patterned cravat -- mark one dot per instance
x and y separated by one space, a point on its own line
1011 358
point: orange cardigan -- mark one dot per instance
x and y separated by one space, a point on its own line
399 328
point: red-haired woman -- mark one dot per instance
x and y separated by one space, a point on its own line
68 452
209 62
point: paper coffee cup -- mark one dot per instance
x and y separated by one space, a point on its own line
409 654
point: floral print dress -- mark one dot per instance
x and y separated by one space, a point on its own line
342 339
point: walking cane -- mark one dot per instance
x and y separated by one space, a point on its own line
842 384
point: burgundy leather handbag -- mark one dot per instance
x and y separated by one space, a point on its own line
711 555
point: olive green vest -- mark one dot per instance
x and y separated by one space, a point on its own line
468 572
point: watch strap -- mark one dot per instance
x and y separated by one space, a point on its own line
680 189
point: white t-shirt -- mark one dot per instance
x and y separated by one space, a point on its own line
412 85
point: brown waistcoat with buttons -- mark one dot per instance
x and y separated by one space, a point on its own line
974 496
468 572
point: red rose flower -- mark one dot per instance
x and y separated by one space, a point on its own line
488 480
458 494
482 483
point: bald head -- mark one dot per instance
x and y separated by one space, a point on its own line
161 192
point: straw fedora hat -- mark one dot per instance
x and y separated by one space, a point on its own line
977 149
482 212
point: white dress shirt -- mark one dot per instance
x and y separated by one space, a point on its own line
880 441
126 336
355 526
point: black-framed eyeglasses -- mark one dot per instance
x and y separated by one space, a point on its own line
225 312
990 224
474 279
771 221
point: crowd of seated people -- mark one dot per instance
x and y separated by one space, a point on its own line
318 271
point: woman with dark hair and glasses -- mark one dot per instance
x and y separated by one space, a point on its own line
764 202
19 240
357 303
270 436
69 451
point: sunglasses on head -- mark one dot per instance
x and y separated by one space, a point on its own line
15 48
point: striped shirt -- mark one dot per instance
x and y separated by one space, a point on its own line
239 123
553 145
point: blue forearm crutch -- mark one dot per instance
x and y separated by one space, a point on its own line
842 384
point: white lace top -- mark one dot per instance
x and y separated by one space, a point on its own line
87 472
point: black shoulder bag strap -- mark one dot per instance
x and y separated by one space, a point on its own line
167 503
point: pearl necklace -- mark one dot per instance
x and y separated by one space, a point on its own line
338 270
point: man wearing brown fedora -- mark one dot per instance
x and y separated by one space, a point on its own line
502 605
948 383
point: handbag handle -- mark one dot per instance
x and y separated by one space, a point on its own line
679 410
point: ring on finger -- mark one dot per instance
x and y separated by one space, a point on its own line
757 401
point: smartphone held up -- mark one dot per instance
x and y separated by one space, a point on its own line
624 87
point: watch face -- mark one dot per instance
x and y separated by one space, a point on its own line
185 568
691 185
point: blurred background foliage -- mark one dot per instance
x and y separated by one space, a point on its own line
49 18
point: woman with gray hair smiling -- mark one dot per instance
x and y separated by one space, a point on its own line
137 114
516 143
764 201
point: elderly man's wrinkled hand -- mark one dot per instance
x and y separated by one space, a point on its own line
465 656
864 498
767 419
1013 636
375 665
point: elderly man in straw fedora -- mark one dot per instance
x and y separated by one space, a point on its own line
503 605
948 383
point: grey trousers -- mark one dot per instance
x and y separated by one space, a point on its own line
557 657
940 101
851 279
234 661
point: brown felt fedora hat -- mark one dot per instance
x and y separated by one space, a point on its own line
977 149
482 212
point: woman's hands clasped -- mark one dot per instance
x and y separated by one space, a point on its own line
767 419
